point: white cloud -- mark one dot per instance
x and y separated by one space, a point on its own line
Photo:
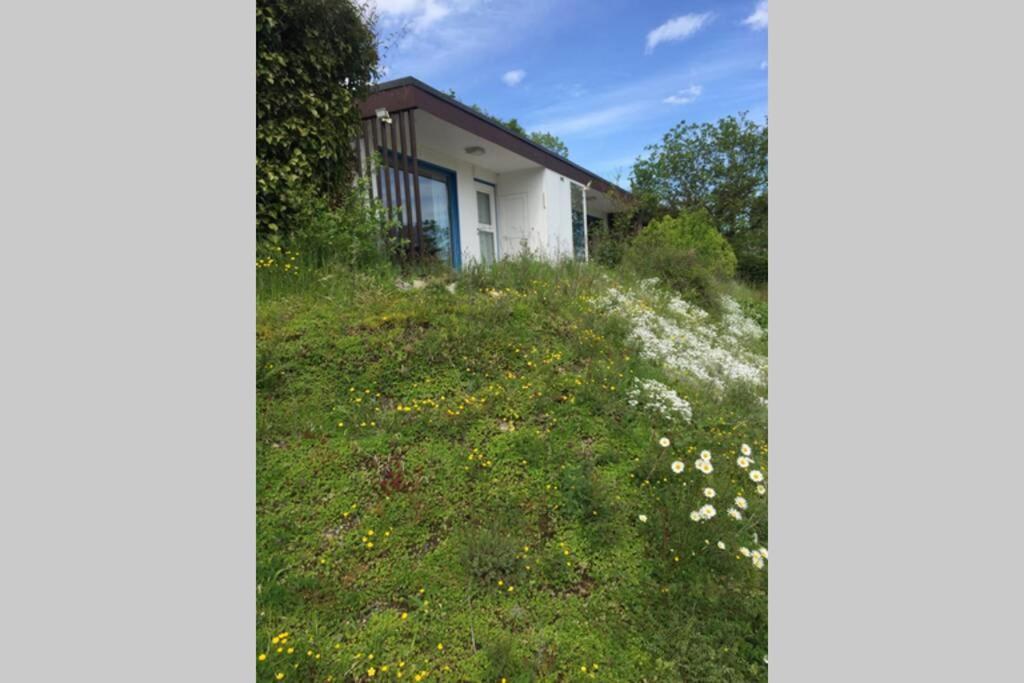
684 96
759 19
514 77
679 28
590 121
418 15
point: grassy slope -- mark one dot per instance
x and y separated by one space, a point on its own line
487 442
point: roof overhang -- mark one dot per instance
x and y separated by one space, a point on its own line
410 93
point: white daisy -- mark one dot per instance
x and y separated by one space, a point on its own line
745 552
707 511
705 455
764 552
756 476
642 518
734 513
721 546
758 561
761 489
678 466
741 502
743 462
695 516
709 492
704 466
745 449
664 442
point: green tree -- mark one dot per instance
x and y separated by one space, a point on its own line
315 60
719 167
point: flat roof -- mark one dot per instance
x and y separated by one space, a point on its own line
410 93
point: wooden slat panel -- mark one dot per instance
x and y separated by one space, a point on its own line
416 184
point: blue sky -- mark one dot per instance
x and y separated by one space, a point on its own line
608 77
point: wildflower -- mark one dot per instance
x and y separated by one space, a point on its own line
642 518
756 476
707 511
371 672
440 646
734 513
695 516
743 462
405 615
262 656
704 466
721 546
279 676
678 466
758 561
709 492
761 490
664 442
741 502
745 449
705 455
764 552
745 552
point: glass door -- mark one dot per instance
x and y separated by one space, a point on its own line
486 223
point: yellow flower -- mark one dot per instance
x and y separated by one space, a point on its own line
440 646
405 615
291 650
262 656
371 672
279 676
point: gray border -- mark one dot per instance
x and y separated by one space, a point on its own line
895 244
127 495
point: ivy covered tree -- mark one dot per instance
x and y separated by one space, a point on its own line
315 60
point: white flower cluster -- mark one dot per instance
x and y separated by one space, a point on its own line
685 342
662 399
736 324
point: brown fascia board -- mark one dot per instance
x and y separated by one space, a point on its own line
411 93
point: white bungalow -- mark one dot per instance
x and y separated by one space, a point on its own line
466 188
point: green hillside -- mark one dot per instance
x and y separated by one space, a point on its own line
468 482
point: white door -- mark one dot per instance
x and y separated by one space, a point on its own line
486 226
514 236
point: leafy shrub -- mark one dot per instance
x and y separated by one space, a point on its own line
685 252
354 233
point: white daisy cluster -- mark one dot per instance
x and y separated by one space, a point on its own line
704 513
685 342
660 398
757 557
703 463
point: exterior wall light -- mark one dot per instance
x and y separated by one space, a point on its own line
475 151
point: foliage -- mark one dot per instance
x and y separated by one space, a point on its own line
686 253
719 167
315 60
417 447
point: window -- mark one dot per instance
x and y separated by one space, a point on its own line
483 207
438 213
579 223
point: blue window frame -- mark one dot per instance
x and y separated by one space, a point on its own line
439 205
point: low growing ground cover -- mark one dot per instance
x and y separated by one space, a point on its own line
549 473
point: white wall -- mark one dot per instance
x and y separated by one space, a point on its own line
531 183
559 215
